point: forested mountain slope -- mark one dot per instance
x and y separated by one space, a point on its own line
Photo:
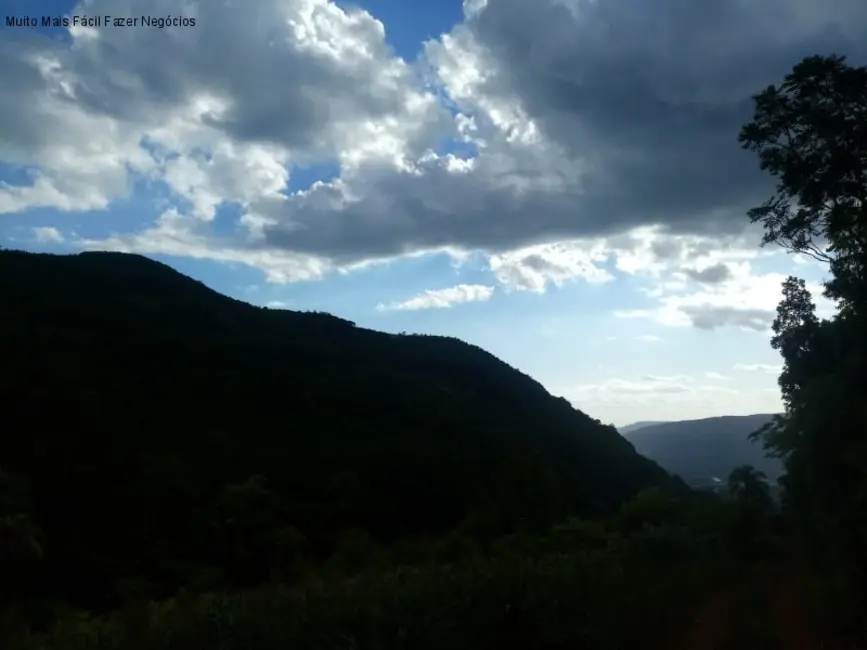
701 450
157 433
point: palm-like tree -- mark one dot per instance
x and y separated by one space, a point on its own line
749 487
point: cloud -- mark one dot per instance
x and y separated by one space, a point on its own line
47 235
642 99
745 299
668 397
304 82
710 317
648 338
441 298
545 134
643 388
715 274
534 268
176 234
647 384
758 367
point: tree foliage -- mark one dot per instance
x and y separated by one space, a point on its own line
749 488
810 132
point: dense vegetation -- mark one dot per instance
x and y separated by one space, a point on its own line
705 451
180 470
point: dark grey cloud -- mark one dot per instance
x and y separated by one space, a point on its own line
711 275
278 86
20 134
640 103
654 92
709 317
400 213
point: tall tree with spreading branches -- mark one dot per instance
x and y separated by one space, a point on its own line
810 133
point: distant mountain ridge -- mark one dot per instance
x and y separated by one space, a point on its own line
635 426
700 451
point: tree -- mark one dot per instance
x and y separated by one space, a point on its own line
749 487
650 507
811 134
751 522
254 530
794 329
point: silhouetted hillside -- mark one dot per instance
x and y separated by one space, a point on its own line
163 434
701 450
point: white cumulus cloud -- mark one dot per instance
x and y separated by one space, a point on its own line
441 298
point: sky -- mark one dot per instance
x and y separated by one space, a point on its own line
556 181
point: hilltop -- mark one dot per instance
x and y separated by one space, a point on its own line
151 419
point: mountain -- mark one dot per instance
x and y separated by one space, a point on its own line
635 426
157 433
701 450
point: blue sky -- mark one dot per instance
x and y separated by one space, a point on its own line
507 172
